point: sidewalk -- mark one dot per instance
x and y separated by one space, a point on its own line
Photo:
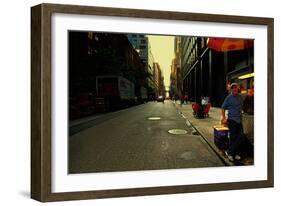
205 127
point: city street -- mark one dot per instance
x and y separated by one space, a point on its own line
138 138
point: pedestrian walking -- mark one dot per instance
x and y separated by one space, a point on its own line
233 103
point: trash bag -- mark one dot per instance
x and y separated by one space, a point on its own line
200 112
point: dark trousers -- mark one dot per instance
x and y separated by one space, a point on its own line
236 137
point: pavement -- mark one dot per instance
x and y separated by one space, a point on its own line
205 127
129 140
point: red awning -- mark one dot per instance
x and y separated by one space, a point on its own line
222 44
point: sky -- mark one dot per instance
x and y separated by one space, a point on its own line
162 48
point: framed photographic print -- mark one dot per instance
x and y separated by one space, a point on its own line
129 102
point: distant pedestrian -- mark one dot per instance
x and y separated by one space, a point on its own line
204 101
182 99
185 98
233 103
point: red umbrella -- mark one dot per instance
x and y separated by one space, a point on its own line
222 44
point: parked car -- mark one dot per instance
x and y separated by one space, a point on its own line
160 99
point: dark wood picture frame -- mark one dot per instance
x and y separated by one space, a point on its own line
41 101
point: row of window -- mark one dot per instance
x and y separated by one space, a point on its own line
142 41
189 54
136 35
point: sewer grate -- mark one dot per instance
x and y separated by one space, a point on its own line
195 133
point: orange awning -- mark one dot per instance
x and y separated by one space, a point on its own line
222 44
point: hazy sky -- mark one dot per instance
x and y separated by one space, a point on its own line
163 52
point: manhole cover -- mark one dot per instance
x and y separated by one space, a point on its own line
177 131
154 118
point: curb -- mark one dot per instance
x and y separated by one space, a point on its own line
213 147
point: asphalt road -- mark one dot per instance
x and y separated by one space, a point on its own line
128 140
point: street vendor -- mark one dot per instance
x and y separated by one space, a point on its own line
233 103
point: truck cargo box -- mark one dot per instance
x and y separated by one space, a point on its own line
117 86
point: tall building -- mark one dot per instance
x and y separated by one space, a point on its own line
150 67
141 45
176 71
158 80
95 53
173 80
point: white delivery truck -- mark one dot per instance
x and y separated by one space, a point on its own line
114 91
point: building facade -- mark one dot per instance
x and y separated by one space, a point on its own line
176 86
141 44
208 73
93 53
158 80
